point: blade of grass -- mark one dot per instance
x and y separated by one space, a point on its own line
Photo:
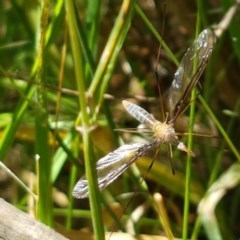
109 56
163 216
190 145
221 129
213 177
87 149
234 26
41 125
215 193
9 132
156 34
86 48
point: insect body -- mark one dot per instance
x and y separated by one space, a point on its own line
163 132
185 79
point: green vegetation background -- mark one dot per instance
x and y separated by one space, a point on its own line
70 64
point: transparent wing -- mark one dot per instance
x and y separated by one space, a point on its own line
139 113
112 166
189 71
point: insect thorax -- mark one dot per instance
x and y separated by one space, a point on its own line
165 133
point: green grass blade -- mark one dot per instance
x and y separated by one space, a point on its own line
85 124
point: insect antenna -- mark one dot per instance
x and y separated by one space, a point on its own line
198 135
157 60
164 114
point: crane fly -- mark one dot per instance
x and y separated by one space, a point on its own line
185 79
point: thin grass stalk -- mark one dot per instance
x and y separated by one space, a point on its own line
88 53
110 53
41 124
87 149
56 19
162 214
72 182
156 34
73 176
188 168
190 144
213 176
221 129
216 167
234 26
93 21
9 132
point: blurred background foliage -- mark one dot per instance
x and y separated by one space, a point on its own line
41 105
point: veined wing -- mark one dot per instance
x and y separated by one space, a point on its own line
139 113
112 166
189 71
